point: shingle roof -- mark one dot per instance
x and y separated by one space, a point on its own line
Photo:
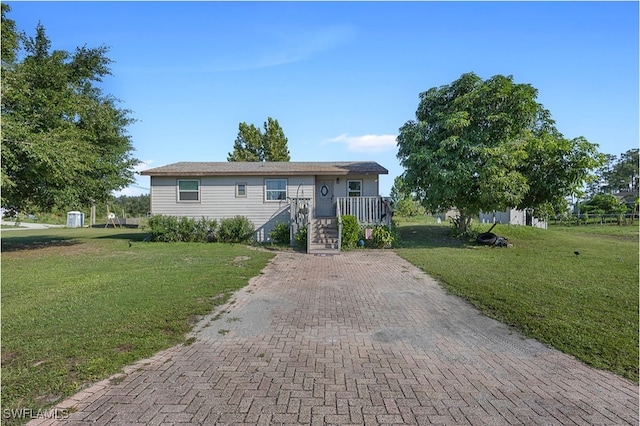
288 168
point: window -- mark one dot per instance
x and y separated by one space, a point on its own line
275 189
354 188
188 190
241 190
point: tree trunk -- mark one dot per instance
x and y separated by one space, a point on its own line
464 222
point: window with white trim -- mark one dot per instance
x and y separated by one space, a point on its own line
275 189
354 188
188 190
241 190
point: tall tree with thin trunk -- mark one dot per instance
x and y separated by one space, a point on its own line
252 144
625 173
248 144
274 144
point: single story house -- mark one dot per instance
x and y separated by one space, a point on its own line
512 217
312 194
628 198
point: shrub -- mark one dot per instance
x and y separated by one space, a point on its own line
408 207
173 229
350 231
237 229
204 230
381 237
470 234
280 233
163 228
300 237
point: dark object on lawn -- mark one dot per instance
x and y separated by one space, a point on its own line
501 242
576 253
487 238
491 239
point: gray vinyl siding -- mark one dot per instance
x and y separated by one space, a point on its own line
369 185
218 199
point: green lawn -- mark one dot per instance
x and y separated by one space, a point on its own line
78 304
585 305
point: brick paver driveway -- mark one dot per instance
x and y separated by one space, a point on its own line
359 338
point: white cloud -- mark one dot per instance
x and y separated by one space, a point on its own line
366 143
285 46
141 186
268 47
130 191
143 165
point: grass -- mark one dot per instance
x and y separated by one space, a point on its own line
79 304
585 305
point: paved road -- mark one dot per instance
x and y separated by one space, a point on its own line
359 338
27 225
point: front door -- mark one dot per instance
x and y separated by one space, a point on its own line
324 198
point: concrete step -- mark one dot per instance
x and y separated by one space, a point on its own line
323 221
324 241
326 252
324 245
323 249
324 234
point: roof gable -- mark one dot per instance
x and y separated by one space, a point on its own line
267 168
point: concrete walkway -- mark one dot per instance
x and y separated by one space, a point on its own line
27 225
359 338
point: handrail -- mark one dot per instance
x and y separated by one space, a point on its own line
309 234
282 206
300 216
339 223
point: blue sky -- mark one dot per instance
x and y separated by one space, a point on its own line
342 78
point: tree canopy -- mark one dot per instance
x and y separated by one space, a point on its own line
254 145
484 145
604 204
64 143
404 203
617 174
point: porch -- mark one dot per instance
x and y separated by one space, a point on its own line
324 233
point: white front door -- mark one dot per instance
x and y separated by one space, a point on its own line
324 198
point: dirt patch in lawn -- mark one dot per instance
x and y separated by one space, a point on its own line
53 247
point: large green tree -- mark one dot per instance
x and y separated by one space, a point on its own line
64 142
625 173
252 144
617 174
9 44
600 182
483 145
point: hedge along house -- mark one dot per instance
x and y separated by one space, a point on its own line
305 194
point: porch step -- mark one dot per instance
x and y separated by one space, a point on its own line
323 251
324 237
324 221
321 246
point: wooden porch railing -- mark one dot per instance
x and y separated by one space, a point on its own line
368 210
300 209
